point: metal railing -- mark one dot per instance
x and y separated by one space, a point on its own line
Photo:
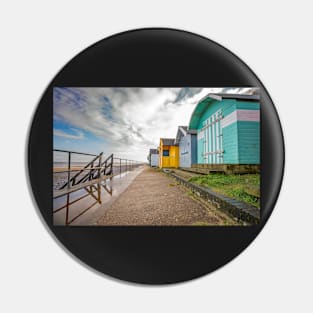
121 166
91 177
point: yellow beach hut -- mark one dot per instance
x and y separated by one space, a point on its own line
168 153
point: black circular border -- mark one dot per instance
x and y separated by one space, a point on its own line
155 57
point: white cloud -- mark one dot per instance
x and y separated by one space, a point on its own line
129 120
60 133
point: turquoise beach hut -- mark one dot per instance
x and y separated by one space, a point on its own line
228 129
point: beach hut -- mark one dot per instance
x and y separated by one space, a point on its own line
168 153
153 157
187 141
228 129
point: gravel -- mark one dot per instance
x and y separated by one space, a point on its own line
154 198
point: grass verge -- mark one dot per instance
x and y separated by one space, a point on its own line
245 187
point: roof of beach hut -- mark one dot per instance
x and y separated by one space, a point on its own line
183 131
154 151
202 104
168 141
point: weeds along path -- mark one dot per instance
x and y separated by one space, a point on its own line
154 198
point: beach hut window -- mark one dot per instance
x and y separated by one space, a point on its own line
166 152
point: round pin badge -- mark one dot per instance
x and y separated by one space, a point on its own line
155 156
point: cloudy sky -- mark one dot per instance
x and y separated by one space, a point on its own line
124 121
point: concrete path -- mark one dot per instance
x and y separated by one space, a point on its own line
118 185
154 198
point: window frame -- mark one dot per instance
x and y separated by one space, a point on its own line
166 150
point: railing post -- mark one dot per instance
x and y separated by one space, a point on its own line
112 167
99 179
68 169
99 191
67 208
90 171
68 186
100 162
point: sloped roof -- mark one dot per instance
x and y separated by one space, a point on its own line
183 128
168 141
220 96
154 151
202 104
181 131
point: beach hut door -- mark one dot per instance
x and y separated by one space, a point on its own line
213 142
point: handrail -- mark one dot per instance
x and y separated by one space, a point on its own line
83 153
98 172
72 180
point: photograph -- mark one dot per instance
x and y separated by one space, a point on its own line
158 156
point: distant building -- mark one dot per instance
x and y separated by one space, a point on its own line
228 129
168 153
187 141
153 157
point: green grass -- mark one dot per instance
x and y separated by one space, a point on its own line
245 188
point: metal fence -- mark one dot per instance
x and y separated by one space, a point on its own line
91 175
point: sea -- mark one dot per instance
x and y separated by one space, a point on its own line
65 164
